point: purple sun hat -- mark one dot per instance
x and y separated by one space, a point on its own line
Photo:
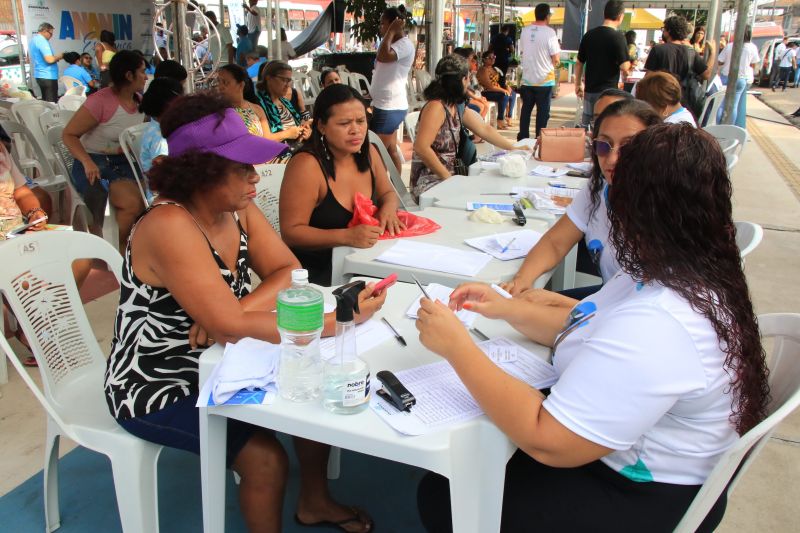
226 136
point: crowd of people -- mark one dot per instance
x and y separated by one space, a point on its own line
660 367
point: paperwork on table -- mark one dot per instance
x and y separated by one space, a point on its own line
245 375
548 172
506 246
443 400
369 334
434 257
441 293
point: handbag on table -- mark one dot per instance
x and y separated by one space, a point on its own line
564 145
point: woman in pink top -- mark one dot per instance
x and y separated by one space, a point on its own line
101 172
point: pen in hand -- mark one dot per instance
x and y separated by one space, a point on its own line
421 287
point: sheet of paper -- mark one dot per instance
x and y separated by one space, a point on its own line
434 257
442 293
507 246
369 334
443 400
548 172
584 166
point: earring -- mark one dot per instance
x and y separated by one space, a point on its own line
325 147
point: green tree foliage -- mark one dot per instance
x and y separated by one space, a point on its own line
368 13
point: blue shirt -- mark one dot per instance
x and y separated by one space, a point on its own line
242 48
80 74
39 48
252 70
153 145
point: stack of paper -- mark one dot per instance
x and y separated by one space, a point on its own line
548 172
443 400
442 293
507 246
434 257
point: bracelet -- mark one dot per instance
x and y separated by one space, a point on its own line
34 210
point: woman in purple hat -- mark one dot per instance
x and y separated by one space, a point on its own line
204 223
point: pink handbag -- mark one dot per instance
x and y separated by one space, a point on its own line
560 145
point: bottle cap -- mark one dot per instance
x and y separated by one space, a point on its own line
347 300
300 275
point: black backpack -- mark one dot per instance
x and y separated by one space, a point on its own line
694 95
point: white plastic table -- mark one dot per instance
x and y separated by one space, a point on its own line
472 455
456 227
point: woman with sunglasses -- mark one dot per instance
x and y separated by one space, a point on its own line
286 123
587 215
657 374
489 78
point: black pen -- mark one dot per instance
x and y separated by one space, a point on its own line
421 287
397 335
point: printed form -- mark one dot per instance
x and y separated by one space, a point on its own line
443 400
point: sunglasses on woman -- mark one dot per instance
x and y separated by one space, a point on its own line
603 149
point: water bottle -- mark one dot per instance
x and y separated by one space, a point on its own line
300 322
346 387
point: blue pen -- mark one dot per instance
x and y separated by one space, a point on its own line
505 248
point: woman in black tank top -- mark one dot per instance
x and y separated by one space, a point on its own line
318 191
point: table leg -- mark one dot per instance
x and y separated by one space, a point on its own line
213 438
477 477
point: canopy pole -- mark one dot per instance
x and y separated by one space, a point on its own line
270 51
183 41
437 30
736 55
21 50
502 12
278 37
712 30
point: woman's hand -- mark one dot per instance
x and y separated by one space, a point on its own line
368 305
480 298
440 330
92 171
518 285
294 132
198 337
389 221
396 27
363 236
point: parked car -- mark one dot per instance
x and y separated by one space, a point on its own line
766 53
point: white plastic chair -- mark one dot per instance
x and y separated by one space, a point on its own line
406 200
314 81
130 140
410 124
27 112
729 131
38 284
708 116
268 191
54 117
360 83
415 102
71 102
748 236
784 380
731 160
73 85
423 78
79 214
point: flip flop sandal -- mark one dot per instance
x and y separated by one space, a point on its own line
329 524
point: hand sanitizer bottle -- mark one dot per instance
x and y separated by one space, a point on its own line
345 381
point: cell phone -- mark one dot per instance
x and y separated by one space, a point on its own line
385 283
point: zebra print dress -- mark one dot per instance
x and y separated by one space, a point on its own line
152 364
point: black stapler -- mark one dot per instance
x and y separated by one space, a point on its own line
394 392
519 215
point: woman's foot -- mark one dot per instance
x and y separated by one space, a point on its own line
350 519
501 125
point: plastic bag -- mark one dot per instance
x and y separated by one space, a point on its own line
513 165
486 215
364 211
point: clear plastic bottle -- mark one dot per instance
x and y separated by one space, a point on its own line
300 322
346 386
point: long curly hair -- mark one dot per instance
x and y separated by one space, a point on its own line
628 107
671 223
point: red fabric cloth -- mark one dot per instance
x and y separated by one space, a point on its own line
364 213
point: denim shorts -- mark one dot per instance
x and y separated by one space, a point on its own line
178 426
386 121
112 168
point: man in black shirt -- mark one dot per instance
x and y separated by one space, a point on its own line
503 46
674 55
604 52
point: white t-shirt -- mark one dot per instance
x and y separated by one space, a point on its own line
681 115
388 88
749 56
595 229
253 21
537 45
779 50
642 373
287 50
221 52
786 58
